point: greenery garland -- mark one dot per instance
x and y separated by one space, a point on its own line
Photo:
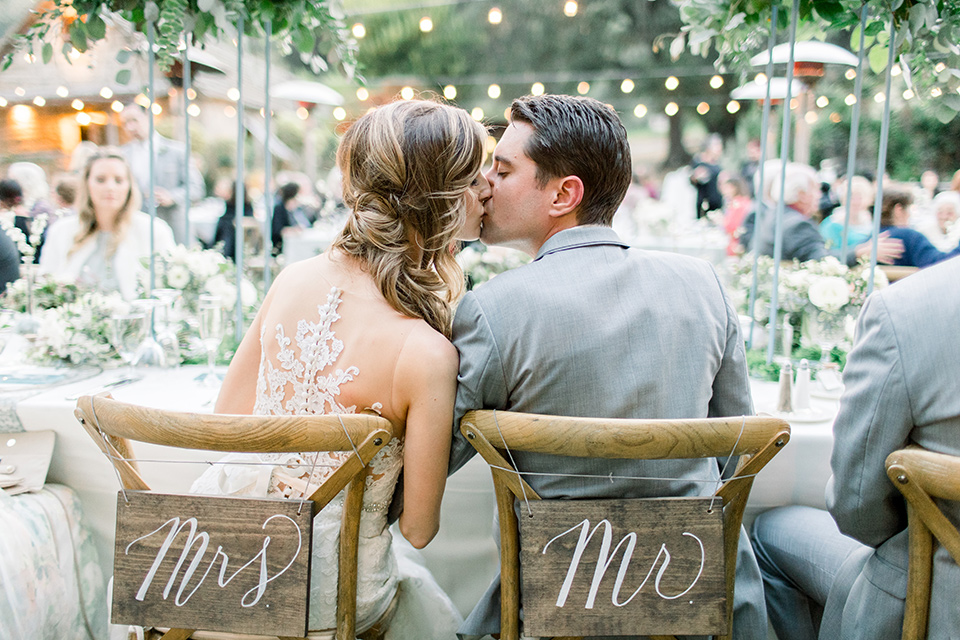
314 28
926 43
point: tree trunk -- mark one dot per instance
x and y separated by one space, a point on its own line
677 156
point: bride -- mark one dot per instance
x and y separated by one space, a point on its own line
365 327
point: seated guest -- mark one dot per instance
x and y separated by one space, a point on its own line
65 191
851 568
36 192
287 216
801 239
895 220
736 205
861 220
940 227
226 233
9 261
104 243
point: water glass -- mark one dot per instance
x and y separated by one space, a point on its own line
127 332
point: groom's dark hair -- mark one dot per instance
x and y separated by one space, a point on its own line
579 136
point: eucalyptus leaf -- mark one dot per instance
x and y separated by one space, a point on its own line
78 36
123 56
878 58
47 52
96 28
123 76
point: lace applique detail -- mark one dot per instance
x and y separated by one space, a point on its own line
310 392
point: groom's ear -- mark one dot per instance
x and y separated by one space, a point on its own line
567 196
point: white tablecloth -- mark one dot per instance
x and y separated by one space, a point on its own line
463 556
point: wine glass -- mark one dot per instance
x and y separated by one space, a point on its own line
827 329
149 353
210 312
128 330
165 328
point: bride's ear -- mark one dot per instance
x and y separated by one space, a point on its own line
567 197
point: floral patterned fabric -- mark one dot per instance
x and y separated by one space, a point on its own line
51 585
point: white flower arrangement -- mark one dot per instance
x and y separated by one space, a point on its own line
78 332
187 270
481 265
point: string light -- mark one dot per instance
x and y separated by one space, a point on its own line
627 85
233 94
895 70
426 24
117 106
506 114
142 100
106 93
495 16
77 104
879 98
476 113
794 103
850 74
22 114
493 91
716 82
570 9
940 67
908 94
302 112
20 91
811 117
640 110
3 101
491 143
230 112
835 117
760 78
62 91
733 106
823 101
671 83
74 53
406 93
583 88
449 92
39 101
537 89
193 110
29 58
936 92
83 119
192 93
157 109
358 30
671 109
850 100
339 114
703 108
362 94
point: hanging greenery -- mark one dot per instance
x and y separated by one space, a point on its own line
314 28
927 44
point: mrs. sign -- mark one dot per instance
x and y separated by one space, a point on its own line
213 563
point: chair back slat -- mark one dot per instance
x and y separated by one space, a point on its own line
622 438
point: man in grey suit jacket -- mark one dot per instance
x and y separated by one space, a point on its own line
170 161
901 388
592 327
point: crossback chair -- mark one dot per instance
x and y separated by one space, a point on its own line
113 424
755 439
921 476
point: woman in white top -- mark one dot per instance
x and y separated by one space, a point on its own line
105 243
365 327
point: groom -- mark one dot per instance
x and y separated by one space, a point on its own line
592 327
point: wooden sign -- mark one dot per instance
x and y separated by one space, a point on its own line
622 567
216 563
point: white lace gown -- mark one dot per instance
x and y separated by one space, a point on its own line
297 387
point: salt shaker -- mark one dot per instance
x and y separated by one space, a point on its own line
784 403
801 393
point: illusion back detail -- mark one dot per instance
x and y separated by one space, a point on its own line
303 378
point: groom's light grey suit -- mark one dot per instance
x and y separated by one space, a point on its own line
594 328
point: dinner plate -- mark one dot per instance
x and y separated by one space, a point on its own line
22 378
817 391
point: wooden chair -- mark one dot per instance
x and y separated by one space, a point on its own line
922 475
756 439
113 424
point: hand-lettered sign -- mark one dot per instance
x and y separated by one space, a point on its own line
216 563
622 567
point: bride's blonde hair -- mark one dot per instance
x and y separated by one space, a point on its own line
406 167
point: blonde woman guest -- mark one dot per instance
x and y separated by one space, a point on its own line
105 242
366 327
861 221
